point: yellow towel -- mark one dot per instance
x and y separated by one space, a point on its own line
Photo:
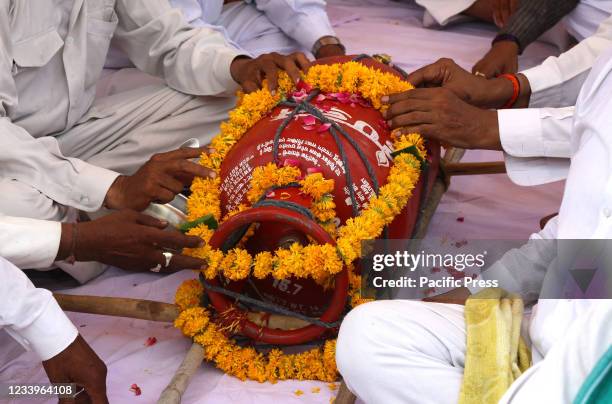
496 355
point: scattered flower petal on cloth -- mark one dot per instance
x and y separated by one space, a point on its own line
135 389
150 341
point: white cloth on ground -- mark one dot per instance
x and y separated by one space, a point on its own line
31 315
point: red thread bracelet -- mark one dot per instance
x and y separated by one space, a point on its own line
516 89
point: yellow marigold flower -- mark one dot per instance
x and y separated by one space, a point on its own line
236 264
316 185
189 294
192 321
263 265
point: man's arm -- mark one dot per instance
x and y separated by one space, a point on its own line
35 320
536 143
159 41
522 270
306 21
531 19
31 315
29 243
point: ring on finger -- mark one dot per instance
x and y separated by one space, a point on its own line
168 256
480 74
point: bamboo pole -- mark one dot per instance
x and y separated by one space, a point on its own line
157 311
492 167
174 391
118 307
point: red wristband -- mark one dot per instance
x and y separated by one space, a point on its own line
516 89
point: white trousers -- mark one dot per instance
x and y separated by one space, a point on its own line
443 12
400 351
244 25
253 31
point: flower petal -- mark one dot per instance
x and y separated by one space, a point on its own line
309 120
289 162
324 127
150 341
135 389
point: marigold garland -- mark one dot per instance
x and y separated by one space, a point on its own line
319 262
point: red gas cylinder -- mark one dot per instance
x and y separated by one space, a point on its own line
279 227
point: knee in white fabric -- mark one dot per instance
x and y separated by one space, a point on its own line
361 339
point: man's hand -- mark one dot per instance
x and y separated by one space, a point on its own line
501 58
158 180
329 51
79 364
133 241
503 10
472 89
250 73
437 113
455 296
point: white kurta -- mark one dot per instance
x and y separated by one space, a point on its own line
404 351
537 140
584 20
31 315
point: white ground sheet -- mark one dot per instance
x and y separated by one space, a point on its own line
491 207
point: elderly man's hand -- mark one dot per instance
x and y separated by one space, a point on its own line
501 58
475 90
129 240
250 73
437 113
79 364
159 180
